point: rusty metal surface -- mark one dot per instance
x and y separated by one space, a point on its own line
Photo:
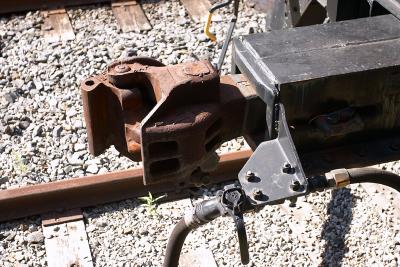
171 117
25 5
53 218
100 189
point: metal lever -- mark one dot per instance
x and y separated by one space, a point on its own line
230 30
234 201
210 14
242 236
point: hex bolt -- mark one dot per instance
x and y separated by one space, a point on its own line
122 68
257 194
287 168
295 186
249 175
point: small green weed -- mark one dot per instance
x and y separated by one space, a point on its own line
151 203
18 163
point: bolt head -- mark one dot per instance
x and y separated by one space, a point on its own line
249 175
287 168
257 193
295 186
122 68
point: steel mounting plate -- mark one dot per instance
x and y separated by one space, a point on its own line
274 172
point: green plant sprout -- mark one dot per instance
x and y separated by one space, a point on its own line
151 203
18 163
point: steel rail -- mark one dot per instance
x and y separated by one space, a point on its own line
104 188
99 189
28 5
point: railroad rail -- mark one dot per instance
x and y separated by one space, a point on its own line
129 14
103 188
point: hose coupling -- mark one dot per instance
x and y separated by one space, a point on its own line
338 178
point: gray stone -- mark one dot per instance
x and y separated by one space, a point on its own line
9 130
3 180
55 163
127 230
75 159
18 83
11 236
38 84
24 124
57 131
37 131
19 256
10 97
35 237
41 59
101 224
79 147
93 168
71 112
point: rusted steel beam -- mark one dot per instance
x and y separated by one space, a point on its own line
27 5
99 189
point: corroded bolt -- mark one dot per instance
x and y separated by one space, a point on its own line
257 194
249 175
287 168
295 186
122 68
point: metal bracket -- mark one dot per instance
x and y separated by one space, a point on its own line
274 172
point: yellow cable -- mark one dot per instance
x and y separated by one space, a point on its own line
207 32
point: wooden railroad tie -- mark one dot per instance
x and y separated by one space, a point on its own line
57 26
66 240
197 9
130 16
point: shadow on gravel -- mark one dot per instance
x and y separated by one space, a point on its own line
337 226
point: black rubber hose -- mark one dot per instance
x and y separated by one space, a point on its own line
373 175
175 243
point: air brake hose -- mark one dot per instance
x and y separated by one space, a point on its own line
202 213
374 175
342 177
175 243
230 201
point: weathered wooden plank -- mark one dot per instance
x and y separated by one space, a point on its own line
66 243
201 257
53 218
57 26
301 216
197 9
130 16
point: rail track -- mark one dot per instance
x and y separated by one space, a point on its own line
103 188
129 14
59 203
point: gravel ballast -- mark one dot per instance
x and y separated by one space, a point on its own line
43 139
